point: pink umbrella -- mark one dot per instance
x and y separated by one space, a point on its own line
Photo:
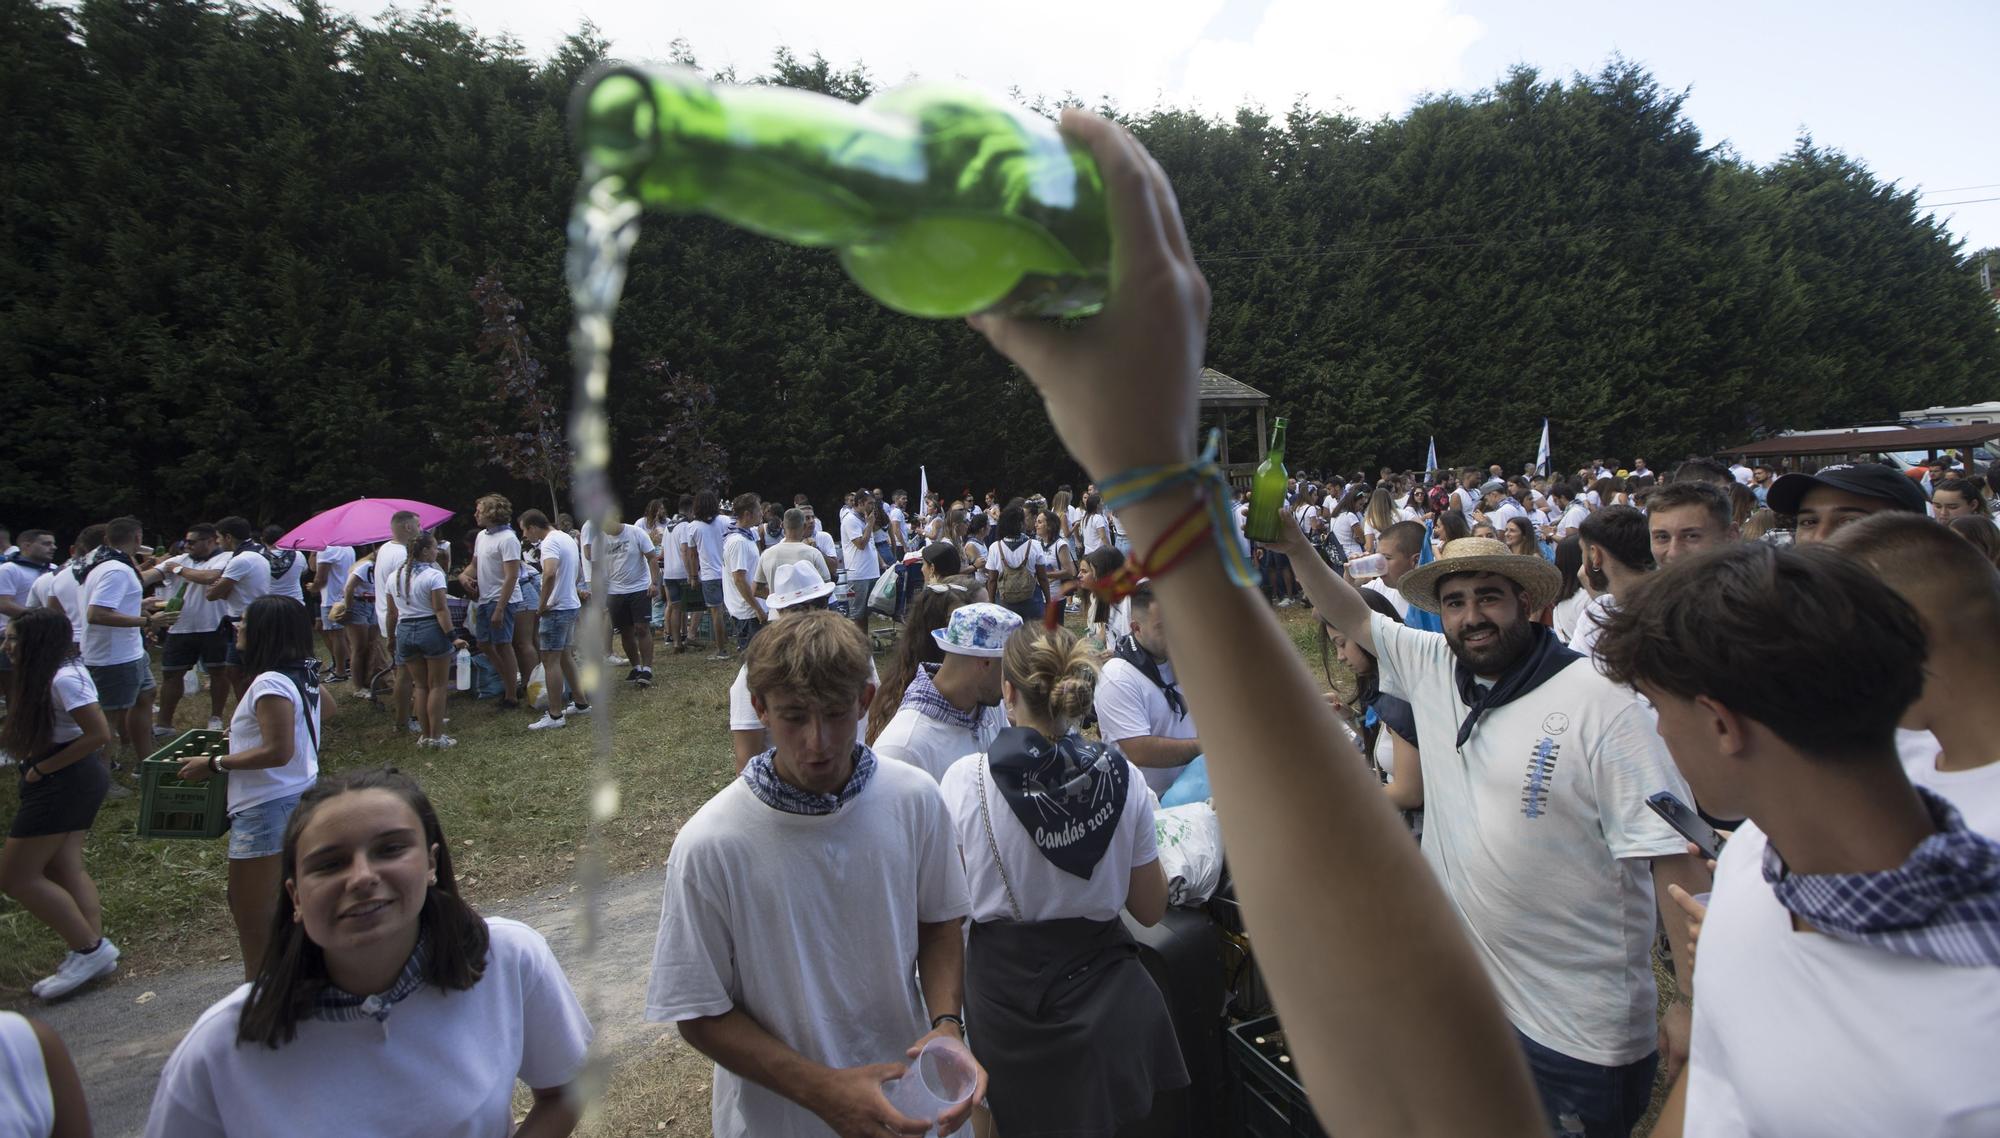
359 522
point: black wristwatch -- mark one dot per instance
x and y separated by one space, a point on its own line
936 1020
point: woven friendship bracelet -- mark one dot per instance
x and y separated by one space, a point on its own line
1206 474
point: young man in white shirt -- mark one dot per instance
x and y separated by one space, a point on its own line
811 984
1536 771
118 614
702 547
1617 555
195 638
1849 974
674 573
241 580
740 558
493 570
1685 518
1139 706
1570 510
28 563
329 583
857 553
1947 737
796 547
952 710
556 609
632 571
1400 545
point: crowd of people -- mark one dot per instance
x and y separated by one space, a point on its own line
1458 867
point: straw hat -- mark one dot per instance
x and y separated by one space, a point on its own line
1540 580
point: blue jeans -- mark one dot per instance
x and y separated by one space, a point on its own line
1585 1099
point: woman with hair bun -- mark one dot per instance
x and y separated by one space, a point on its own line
1057 835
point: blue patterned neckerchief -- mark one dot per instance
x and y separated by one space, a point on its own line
335 1005
1942 904
923 695
761 776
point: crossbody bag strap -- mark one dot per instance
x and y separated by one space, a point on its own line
986 816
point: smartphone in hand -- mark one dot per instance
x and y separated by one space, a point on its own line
1686 823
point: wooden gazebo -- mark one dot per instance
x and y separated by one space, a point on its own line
1223 395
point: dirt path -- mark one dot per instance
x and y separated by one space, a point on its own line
121 1034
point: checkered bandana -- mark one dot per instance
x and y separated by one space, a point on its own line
337 1006
923 695
1942 904
761 775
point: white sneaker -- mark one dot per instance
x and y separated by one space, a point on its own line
214 724
616 661
443 741
573 709
414 725
78 969
547 722
162 732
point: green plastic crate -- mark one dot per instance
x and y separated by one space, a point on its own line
172 808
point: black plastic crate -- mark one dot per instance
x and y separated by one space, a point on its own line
1266 1099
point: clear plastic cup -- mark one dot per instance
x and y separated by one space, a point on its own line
941 1077
1372 565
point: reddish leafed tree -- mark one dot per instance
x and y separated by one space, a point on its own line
525 435
680 448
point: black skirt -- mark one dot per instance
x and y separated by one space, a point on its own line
63 801
1072 1031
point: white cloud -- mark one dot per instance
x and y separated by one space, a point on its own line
1371 55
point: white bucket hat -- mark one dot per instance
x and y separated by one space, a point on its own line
795 584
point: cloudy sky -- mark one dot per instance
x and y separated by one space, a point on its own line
1907 87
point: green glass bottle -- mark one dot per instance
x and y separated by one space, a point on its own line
943 200
1267 490
179 598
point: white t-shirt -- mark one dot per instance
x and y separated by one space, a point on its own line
1506 511
561 548
1589 625
1096 532
17 579
70 688
24 1081
63 592
861 564
1000 555
808 923
1571 518
673 562
1045 892
1129 705
362 577
1308 517
413 596
787 553
1742 473
1539 832
1345 526
388 566
828 551
932 745
740 553
1567 613
491 552
247 788
338 561
705 538
198 613
252 575
1466 501
442 1065
625 554
113 585
1975 792
1394 594
291 583
1800 1033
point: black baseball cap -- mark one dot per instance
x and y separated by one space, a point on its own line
1867 479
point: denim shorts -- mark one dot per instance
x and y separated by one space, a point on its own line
482 624
231 657
119 686
558 627
676 586
711 593
361 614
259 831
421 639
326 621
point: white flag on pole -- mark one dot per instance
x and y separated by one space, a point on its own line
1431 458
1542 453
923 490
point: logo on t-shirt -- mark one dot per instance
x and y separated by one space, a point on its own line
1541 771
1556 723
